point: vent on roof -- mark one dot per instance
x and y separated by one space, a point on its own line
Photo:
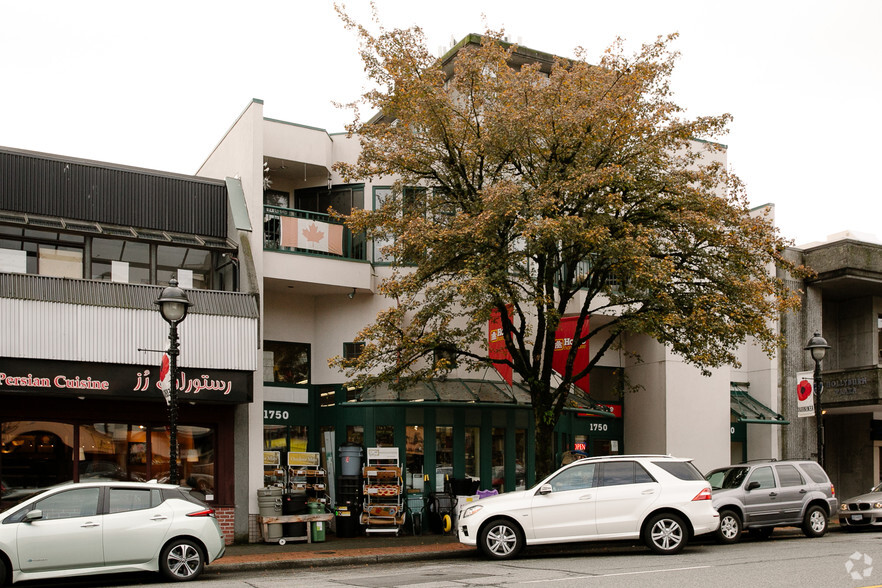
185 239
12 217
155 235
220 243
84 227
119 231
46 222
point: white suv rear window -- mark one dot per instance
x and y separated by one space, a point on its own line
683 470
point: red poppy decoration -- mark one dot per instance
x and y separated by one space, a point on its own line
804 390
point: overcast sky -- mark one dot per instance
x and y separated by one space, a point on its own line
157 84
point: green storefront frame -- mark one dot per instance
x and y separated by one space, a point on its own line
507 418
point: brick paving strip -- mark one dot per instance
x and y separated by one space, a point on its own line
354 554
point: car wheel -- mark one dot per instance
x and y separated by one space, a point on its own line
730 527
665 534
181 560
501 539
815 522
2 573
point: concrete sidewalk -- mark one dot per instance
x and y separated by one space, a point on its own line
340 551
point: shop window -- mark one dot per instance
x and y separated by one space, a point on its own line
473 452
195 457
443 456
278 440
60 262
414 457
195 263
286 363
113 451
497 443
355 434
275 439
385 436
520 459
35 455
606 447
135 256
38 454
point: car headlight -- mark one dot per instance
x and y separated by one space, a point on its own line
843 506
877 505
472 510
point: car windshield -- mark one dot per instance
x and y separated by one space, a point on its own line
727 478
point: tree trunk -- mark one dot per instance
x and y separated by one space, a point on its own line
545 462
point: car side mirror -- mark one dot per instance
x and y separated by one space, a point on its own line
33 515
752 485
545 489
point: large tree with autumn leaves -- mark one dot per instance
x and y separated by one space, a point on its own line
550 189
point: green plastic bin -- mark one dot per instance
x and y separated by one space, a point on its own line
318 527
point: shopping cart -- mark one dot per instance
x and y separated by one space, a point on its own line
416 506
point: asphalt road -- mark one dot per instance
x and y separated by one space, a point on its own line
838 559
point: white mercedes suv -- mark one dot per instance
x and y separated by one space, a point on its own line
660 499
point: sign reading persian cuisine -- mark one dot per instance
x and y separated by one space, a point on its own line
34 376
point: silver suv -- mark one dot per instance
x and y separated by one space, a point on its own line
763 495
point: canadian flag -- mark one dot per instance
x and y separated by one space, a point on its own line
165 378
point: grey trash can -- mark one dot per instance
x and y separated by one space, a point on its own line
350 459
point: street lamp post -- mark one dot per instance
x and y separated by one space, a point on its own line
173 304
818 347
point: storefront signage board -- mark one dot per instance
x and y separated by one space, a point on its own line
118 381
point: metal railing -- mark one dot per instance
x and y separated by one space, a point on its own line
351 246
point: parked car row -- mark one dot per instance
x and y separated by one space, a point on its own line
106 527
663 501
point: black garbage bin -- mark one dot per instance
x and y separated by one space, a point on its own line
347 519
294 503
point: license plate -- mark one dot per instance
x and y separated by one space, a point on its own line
857 517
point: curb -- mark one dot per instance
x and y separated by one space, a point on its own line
335 560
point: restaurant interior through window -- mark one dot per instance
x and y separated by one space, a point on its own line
37 454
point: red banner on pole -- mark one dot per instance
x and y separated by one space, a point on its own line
563 342
496 344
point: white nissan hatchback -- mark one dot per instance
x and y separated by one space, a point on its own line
108 527
662 500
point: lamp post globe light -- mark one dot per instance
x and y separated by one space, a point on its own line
818 347
173 305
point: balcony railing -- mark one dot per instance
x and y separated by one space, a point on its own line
312 233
